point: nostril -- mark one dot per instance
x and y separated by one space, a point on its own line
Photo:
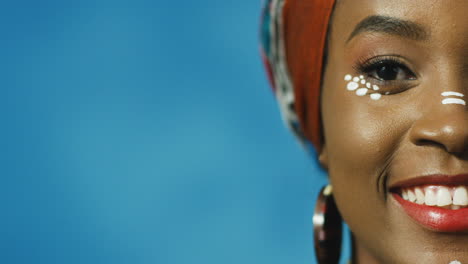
427 142
448 134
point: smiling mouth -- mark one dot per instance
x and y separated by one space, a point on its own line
438 202
448 197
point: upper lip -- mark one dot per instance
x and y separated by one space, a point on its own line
435 179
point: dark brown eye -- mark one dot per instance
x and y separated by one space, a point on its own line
390 71
387 72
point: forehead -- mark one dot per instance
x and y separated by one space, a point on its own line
441 18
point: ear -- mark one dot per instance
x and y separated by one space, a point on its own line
323 157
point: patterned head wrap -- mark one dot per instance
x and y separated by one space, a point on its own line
293 39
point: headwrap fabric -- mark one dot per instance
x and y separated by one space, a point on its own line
293 39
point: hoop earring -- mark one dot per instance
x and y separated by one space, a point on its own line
327 228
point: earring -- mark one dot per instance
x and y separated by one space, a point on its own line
327 228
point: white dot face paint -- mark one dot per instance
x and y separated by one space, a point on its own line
361 91
362 87
375 96
454 99
455 262
352 86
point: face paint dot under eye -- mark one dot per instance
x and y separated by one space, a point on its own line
354 83
455 262
361 91
352 86
375 96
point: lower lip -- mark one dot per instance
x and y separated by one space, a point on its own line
435 218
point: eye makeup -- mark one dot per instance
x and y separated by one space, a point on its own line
389 72
385 68
362 87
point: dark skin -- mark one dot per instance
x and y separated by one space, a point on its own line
370 144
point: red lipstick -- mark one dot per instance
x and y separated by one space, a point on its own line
436 218
433 217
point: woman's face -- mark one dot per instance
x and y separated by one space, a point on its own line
406 133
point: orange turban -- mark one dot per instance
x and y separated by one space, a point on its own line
293 34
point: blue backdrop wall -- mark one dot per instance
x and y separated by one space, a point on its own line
144 132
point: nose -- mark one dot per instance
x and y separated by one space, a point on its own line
446 126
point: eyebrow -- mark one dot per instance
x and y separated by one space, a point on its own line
392 26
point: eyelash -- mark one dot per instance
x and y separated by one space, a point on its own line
367 66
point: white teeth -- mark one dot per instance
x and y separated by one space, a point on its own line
405 195
460 196
443 197
430 198
411 196
419 196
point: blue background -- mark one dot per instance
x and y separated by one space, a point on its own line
145 132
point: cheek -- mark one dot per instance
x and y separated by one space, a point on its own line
360 136
359 132
358 146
